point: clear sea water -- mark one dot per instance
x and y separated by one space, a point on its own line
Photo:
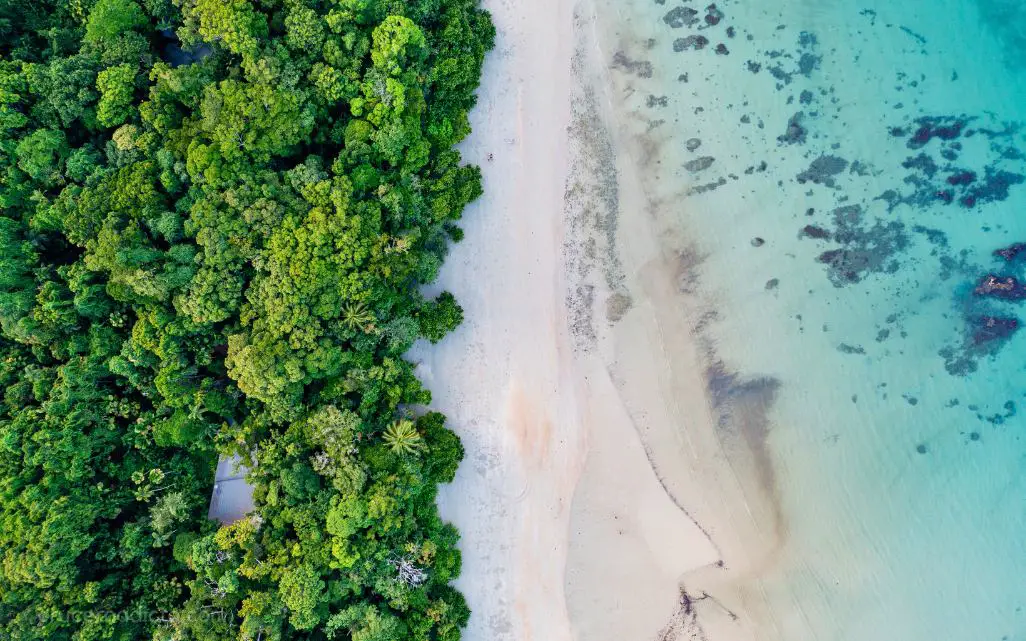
847 169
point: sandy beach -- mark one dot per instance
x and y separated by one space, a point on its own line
739 355
593 496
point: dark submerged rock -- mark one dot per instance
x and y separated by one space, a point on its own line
701 189
699 164
1003 288
993 187
681 17
795 133
962 178
713 15
807 39
845 348
812 231
691 42
822 170
807 64
1011 252
864 249
944 128
934 236
986 329
922 163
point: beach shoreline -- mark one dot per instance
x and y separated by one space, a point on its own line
573 383
715 380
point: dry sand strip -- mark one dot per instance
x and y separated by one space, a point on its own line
505 378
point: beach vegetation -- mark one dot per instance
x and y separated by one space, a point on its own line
223 254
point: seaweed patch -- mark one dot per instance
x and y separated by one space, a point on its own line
697 43
934 178
699 164
823 170
801 62
680 17
795 132
640 68
864 248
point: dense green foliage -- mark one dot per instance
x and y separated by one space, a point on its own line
220 253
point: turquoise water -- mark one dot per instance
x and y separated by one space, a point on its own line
847 170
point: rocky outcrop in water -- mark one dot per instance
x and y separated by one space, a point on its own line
1011 252
1001 287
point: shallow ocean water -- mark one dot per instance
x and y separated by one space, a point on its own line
846 171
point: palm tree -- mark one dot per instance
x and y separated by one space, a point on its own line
403 438
357 317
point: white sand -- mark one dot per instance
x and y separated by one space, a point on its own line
505 378
590 443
